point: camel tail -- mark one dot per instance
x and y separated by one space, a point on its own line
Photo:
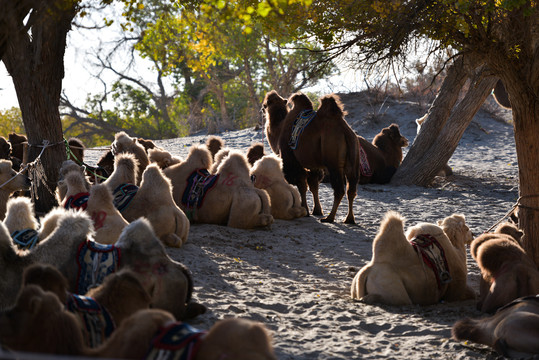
468 329
359 284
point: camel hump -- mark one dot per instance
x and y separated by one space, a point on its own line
300 101
331 105
391 236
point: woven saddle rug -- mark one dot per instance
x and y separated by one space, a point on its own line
301 122
177 341
95 262
78 201
123 194
198 184
25 239
433 256
98 324
364 165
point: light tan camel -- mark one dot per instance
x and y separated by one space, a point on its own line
285 199
231 200
21 222
123 143
397 274
507 272
218 158
162 158
168 282
103 308
108 221
153 200
513 330
10 182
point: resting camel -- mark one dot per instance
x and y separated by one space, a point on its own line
168 282
513 330
507 272
153 200
285 200
229 198
325 141
397 273
39 323
103 308
10 182
379 160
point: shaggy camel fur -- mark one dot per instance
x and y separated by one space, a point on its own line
76 186
153 200
39 323
67 167
18 146
125 144
120 295
28 326
168 282
76 150
214 144
255 152
233 338
5 148
513 330
384 155
233 200
20 214
10 182
327 142
162 158
218 159
397 275
108 221
507 272
285 200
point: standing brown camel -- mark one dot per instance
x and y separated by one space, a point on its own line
309 142
379 160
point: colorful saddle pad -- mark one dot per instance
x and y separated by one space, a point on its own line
301 122
25 239
198 184
433 255
77 202
123 195
177 341
98 324
95 262
364 165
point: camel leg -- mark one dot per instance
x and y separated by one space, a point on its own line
351 195
337 183
302 188
313 179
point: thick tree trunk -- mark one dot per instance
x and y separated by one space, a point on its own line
36 65
526 124
413 165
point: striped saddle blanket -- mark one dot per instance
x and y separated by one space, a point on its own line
198 184
301 122
98 324
25 239
433 255
95 262
78 201
177 341
123 195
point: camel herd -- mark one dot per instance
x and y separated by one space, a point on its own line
102 250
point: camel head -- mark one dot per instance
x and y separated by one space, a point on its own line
456 230
10 181
266 170
274 107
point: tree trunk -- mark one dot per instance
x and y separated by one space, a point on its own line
525 107
413 164
36 65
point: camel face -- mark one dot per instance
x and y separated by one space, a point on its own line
10 180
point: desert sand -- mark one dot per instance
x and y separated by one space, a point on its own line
295 276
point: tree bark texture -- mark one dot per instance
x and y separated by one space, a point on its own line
36 64
414 164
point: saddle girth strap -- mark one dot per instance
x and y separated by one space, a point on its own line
433 256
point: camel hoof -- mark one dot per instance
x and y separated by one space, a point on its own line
350 221
317 212
327 220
